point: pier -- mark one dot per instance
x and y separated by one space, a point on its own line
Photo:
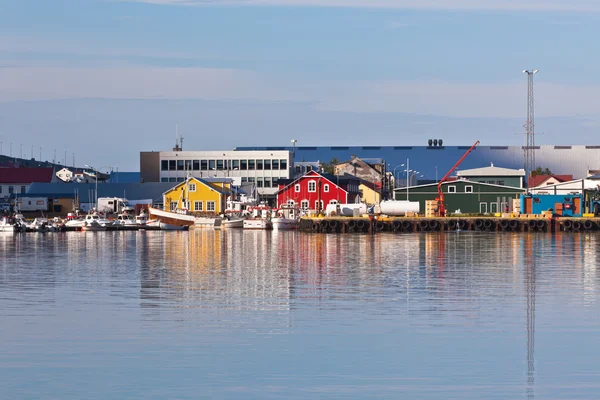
423 224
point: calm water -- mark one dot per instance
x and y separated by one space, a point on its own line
258 315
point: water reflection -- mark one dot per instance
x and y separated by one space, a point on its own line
411 315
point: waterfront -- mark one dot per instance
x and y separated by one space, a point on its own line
238 314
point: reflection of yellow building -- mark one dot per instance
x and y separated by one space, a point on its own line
197 196
369 193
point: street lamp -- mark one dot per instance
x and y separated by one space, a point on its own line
394 173
96 171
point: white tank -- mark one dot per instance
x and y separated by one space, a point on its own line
398 207
346 210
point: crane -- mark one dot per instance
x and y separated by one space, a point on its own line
441 210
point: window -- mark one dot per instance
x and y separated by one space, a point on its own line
312 186
0 188
235 164
469 189
220 165
326 188
204 165
259 182
283 164
173 205
298 169
251 179
267 164
196 165
308 168
259 164
192 187
317 205
198 205
11 190
251 164
244 179
304 204
291 203
297 188
179 165
275 164
267 182
172 165
188 165
451 189
501 183
164 165
172 179
212 165
333 201
23 189
243 165
180 179
210 206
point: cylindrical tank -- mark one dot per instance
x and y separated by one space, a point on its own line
346 210
398 207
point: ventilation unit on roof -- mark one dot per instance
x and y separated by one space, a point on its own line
435 142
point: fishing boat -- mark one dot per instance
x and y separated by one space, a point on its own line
170 227
93 226
90 219
286 218
8 225
260 217
232 222
172 218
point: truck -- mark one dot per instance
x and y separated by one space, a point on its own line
27 204
114 205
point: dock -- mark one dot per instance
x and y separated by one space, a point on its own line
437 224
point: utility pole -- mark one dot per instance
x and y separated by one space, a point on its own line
529 151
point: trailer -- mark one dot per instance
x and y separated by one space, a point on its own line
27 204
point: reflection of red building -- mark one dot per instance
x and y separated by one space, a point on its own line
306 191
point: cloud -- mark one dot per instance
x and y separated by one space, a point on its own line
448 99
496 5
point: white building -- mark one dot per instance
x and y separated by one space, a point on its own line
261 167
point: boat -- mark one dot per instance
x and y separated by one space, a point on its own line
170 227
232 222
8 224
125 220
40 225
260 217
172 218
207 222
141 219
286 218
93 226
96 218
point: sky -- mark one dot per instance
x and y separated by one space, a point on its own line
102 80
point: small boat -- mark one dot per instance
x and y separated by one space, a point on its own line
172 218
125 220
41 225
207 222
257 223
170 227
9 225
95 217
232 222
93 226
286 218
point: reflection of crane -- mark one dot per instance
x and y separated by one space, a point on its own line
441 207
530 272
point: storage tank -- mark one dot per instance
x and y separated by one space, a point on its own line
398 207
346 210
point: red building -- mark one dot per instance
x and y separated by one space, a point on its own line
314 190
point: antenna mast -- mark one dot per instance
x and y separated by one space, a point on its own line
529 150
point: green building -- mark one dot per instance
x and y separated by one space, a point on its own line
494 175
463 196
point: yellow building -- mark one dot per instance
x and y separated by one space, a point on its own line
369 193
198 196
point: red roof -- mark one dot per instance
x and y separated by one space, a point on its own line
539 179
25 175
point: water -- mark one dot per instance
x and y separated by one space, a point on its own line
269 315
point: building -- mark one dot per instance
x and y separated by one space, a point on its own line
434 161
198 196
18 180
314 190
545 180
302 167
261 167
370 193
463 196
370 170
494 175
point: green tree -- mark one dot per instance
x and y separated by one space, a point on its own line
329 168
541 171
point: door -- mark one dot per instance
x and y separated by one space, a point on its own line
493 208
483 208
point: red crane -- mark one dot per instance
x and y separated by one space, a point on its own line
440 198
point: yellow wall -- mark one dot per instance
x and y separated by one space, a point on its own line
369 196
204 193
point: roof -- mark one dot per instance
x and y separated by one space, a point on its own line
537 180
25 175
212 184
454 182
86 191
491 171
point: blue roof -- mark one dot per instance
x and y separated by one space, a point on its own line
86 191
124 177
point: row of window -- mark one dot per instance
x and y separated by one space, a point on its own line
312 187
260 182
11 189
468 189
222 165
198 206
305 204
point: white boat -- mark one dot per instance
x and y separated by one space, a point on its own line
8 225
232 222
172 218
286 218
93 226
170 227
75 223
41 225
141 219
257 223
126 220
90 219
207 222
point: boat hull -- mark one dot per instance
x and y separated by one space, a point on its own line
284 224
257 223
169 227
171 218
232 223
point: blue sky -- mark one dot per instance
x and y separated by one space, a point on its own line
105 79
